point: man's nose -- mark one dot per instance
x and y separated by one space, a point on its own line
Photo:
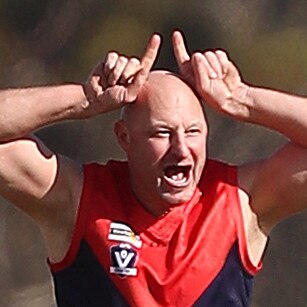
179 146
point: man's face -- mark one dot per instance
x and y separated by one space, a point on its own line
166 145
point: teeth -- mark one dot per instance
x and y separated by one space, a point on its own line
179 176
177 180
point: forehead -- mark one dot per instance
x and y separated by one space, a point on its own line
166 98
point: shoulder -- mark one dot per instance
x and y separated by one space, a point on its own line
277 185
226 179
219 171
113 171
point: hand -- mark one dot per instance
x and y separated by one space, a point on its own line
214 76
118 79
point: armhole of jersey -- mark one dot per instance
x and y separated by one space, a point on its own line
79 226
249 265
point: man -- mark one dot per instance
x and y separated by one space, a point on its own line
169 227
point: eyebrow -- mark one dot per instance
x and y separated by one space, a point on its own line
162 124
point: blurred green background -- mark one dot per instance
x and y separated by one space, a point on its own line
50 42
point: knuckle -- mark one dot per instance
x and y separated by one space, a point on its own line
126 75
112 79
110 61
112 55
122 60
209 54
197 57
134 61
221 53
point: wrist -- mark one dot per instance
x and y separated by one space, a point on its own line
89 95
83 99
239 104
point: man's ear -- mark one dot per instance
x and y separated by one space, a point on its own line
121 132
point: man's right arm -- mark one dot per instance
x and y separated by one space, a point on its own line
25 110
32 177
43 184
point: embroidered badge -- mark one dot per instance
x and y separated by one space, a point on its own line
123 260
123 233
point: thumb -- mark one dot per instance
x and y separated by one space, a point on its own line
134 88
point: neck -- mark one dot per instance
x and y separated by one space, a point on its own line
156 207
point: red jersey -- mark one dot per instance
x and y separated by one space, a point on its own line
121 255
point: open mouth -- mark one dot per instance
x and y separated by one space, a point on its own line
177 175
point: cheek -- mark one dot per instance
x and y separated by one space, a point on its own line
199 153
198 146
157 149
147 152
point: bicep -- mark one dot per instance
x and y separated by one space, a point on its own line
278 185
32 177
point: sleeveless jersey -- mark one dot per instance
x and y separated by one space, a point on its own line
120 255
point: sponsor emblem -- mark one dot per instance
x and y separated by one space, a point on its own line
123 233
123 260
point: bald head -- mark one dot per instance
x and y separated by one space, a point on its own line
161 88
164 135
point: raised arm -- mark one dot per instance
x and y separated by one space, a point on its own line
43 184
219 84
277 186
25 110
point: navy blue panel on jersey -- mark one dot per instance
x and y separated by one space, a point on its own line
231 288
86 284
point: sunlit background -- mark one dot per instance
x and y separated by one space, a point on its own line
52 41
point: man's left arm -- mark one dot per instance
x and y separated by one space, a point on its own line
277 186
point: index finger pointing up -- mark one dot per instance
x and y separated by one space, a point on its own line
180 51
151 52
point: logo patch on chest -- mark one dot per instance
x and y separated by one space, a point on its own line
123 260
123 233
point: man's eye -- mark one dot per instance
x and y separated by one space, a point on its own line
194 131
163 133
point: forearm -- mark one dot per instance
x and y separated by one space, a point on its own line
279 111
24 110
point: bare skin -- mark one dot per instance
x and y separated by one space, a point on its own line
276 187
47 186
43 184
165 145
166 150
